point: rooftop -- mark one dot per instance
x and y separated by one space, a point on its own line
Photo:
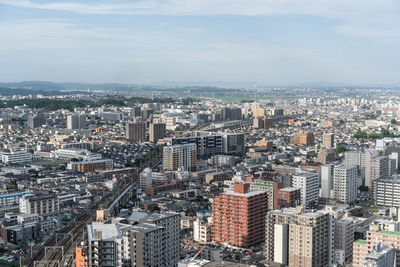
109 231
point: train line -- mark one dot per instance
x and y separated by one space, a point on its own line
75 232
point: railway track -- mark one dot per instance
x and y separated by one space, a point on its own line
74 233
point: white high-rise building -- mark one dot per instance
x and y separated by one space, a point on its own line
327 181
308 183
345 183
76 121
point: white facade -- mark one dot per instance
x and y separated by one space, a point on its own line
309 187
326 181
40 204
15 156
201 231
345 183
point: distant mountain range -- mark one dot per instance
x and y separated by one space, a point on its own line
56 88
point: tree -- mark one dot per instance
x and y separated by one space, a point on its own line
340 148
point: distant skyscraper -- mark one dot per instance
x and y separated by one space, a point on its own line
156 131
76 121
328 140
136 131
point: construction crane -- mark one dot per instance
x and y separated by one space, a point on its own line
195 256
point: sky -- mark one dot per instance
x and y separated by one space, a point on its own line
255 41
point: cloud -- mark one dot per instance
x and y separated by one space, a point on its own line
354 17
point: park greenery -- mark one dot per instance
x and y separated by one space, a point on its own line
383 133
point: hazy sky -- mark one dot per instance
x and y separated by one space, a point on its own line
267 41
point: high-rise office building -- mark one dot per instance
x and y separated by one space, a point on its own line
239 217
308 183
328 140
156 131
76 121
180 157
345 183
136 131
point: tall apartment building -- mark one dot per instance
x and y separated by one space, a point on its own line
309 237
303 138
76 121
104 245
309 185
170 241
180 157
327 191
143 245
233 143
210 143
272 189
328 140
156 132
238 217
38 203
206 145
263 123
354 158
343 240
371 167
298 238
136 131
231 114
153 241
387 192
345 183
36 120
